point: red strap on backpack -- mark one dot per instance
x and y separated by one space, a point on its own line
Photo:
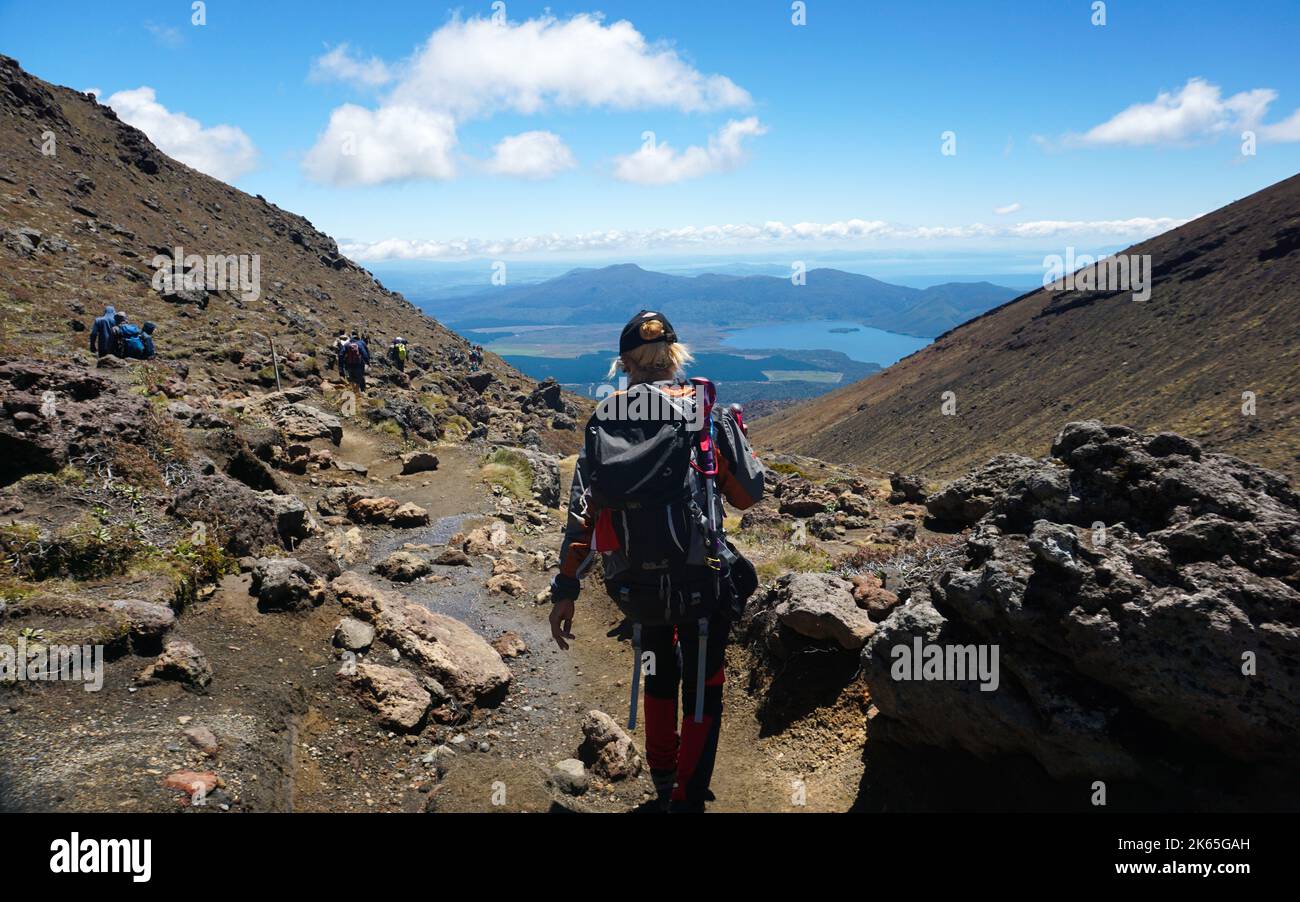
605 537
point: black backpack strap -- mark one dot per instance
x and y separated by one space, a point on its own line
701 657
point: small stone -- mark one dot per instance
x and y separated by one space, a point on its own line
203 739
452 557
353 634
506 584
509 645
609 747
570 777
195 783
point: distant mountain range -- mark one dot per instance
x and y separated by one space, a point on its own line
612 293
1214 354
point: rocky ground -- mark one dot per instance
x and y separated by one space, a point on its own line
307 609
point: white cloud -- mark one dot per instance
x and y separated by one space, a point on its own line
222 151
531 155
475 68
1198 111
1010 208
658 164
770 234
1285 131
393 143
340 64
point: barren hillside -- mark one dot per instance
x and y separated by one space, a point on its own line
106 201
1223 320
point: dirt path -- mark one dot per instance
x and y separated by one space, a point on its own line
538 723
294 738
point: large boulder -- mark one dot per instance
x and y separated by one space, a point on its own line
480 381
384 510
906 489
506 584
419 462
1013 485
820 606
53 413
392 693
871 595
409 515
1143 598
797 497
546 477
853 504
570 777
61 620
293 522
337 499
403 567
302 422
353 635
182 662
448 650
149 620
491 539
546 395
285 584
409 415
245 520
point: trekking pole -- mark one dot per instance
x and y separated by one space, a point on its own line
275 362
636 675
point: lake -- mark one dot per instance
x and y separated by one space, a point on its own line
859 342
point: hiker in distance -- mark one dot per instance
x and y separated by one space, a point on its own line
647 493
354 357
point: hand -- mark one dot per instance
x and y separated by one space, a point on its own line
562 623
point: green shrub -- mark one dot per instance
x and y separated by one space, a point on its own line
205 562
85 549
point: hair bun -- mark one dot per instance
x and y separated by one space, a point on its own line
652 329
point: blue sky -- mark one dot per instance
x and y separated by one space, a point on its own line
836 123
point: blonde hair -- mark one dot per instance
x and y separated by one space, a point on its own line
654 362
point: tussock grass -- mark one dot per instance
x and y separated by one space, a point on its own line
794 560
455 428
510 470
787 470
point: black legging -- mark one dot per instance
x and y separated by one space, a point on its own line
676 662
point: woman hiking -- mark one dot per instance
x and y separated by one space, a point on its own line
657 460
